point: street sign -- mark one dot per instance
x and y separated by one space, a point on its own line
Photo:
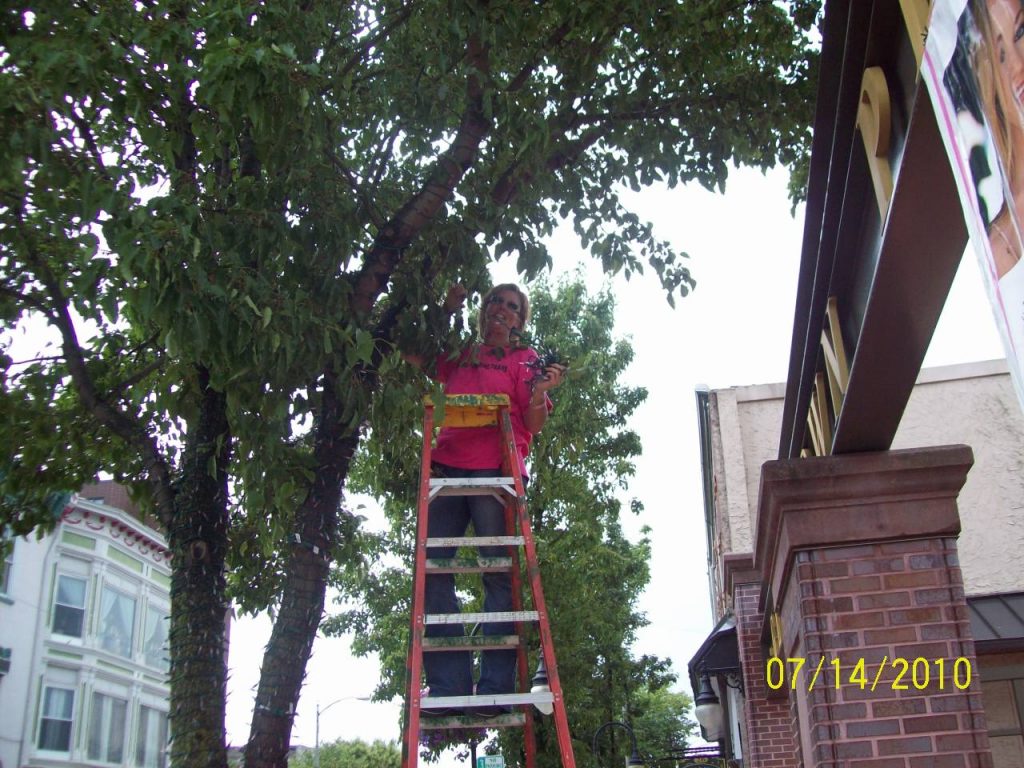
490 761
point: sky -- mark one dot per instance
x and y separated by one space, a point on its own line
732 330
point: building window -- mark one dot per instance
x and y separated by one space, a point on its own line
106 728
69 606
155 645
151 744
1004 713
117 622
55 721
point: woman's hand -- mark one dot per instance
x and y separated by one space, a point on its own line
455 298
537 411
553 376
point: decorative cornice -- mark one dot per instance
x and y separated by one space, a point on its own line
854 498
121 528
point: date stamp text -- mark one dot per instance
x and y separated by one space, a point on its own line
904 674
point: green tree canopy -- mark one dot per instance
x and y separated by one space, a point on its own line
661 721
351 754
229 214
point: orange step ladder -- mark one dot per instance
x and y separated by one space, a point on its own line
474 411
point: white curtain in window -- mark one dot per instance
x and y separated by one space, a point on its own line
55 723
117 622
151 744
155 645
106 728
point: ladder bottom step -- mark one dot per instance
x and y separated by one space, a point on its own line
471 643
469 565
498 617
452 722
488 700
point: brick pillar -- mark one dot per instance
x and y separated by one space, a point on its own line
860 564
768 734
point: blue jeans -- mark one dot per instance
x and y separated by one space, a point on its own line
450 673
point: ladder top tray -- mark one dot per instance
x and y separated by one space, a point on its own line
471 410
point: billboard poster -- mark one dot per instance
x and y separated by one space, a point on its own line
973 68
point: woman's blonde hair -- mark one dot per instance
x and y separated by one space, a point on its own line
524 306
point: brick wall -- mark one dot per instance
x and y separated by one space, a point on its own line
768 719
870 606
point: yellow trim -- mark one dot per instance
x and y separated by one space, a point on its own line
471 410
915 14
874 118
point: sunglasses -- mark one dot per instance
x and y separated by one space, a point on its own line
498 300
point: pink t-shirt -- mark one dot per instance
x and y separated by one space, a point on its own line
484 370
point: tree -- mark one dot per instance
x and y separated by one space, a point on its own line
661 723
352 754
230 215
592 573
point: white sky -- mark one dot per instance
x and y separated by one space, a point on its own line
733 330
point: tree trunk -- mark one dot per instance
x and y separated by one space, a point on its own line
303 591
198 540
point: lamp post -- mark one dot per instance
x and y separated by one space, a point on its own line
708 708
539 684
319 711
633 761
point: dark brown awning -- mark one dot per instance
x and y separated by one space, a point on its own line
719 653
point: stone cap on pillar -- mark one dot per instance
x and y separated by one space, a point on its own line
853 499
738 568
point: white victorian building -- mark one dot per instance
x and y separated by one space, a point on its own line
83 637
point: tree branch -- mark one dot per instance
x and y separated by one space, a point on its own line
554 39
513 180
380 162
122 425
86 133
451 166
367 201
141 374
383 31
31 301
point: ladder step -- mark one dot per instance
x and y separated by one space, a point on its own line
488 700
469 564
472 482
471 486
504 720
451 722
481 618
476 541
471 642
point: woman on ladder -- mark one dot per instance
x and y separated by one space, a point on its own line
497 365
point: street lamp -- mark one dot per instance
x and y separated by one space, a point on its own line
708 708
319 711
539 684
633 761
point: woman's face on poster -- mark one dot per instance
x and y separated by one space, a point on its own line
1007 18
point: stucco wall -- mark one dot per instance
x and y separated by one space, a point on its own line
981 411
746 436
973 404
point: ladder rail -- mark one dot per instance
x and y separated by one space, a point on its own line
537 593
414 662
510 467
